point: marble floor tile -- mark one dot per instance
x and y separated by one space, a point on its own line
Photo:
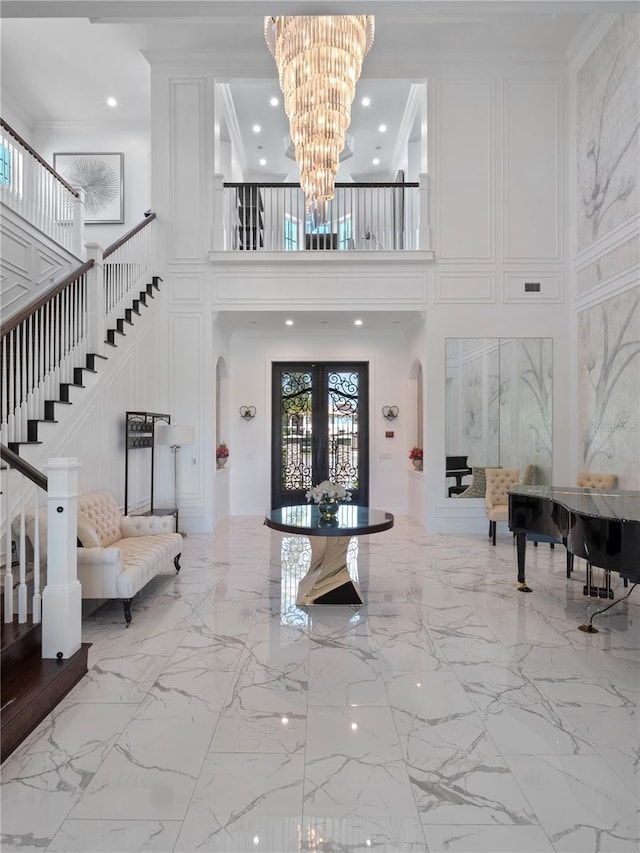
109 836
580 802
448 713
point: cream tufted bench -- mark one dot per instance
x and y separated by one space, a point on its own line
120 554
591 480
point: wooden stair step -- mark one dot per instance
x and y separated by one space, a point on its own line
31 689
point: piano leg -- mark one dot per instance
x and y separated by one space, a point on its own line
569 562
521 548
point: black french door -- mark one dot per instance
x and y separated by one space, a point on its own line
320 429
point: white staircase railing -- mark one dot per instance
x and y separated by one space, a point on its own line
35 191
127 265
33 503
43 346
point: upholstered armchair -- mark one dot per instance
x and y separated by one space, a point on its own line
591 480
499 481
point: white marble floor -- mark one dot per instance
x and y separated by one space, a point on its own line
449 713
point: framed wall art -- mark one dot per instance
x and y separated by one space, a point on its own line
101 176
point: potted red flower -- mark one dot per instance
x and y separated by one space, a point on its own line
416 456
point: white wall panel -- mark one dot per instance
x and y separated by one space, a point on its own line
186 288
532 188
315 285
192 382
186 168
550 287
30 262
463 125
464 287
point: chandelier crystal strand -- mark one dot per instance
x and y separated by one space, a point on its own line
319 60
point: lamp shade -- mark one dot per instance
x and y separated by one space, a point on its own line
175 435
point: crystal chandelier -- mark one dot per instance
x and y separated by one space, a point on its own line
319 59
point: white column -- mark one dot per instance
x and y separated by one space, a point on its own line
77 241
218 214
96 300
62 596
424 227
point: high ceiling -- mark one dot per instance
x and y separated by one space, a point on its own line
61 59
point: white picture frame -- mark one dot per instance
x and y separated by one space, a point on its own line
101 176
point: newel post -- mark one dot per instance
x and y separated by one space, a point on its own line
424 226
218 214
96 300
77 240
62 596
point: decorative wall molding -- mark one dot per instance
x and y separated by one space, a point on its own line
464 287
258 288
464 121
551 287
233 127
186 169
532 155
625 280
31 262
608 242
186 288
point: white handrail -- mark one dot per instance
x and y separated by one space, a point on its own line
37 193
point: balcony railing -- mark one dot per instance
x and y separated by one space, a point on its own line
30 187
361 217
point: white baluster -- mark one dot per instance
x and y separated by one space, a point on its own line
37 598
8 568
22 583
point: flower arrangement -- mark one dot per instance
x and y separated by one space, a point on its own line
222 451
416 453
327 492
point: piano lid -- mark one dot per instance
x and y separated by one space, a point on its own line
615 504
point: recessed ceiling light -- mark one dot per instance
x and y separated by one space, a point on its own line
256 128
112 102
376 161
383 128
365 102
357 322
288 322
263 162
274 102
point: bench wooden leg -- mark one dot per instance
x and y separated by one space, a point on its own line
127 610
176 562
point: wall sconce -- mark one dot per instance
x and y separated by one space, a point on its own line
390 412
247 412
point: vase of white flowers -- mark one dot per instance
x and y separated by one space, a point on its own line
328 496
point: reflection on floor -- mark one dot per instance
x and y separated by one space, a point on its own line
450 712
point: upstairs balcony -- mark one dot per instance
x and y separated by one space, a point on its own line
261 220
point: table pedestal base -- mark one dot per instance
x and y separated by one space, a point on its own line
328 580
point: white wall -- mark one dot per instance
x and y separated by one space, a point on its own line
134 143
252 355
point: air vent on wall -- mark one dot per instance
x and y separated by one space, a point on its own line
532 287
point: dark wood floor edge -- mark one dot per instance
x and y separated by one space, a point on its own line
18 730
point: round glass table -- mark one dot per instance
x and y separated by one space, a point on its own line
328 580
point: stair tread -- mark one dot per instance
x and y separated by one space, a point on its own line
31 689
64 402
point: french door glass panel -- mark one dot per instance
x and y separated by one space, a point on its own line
320 429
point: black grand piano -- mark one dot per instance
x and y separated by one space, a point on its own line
601 526
458 467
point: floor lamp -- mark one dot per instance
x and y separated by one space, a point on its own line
175 436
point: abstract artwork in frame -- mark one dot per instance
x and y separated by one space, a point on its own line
101 178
